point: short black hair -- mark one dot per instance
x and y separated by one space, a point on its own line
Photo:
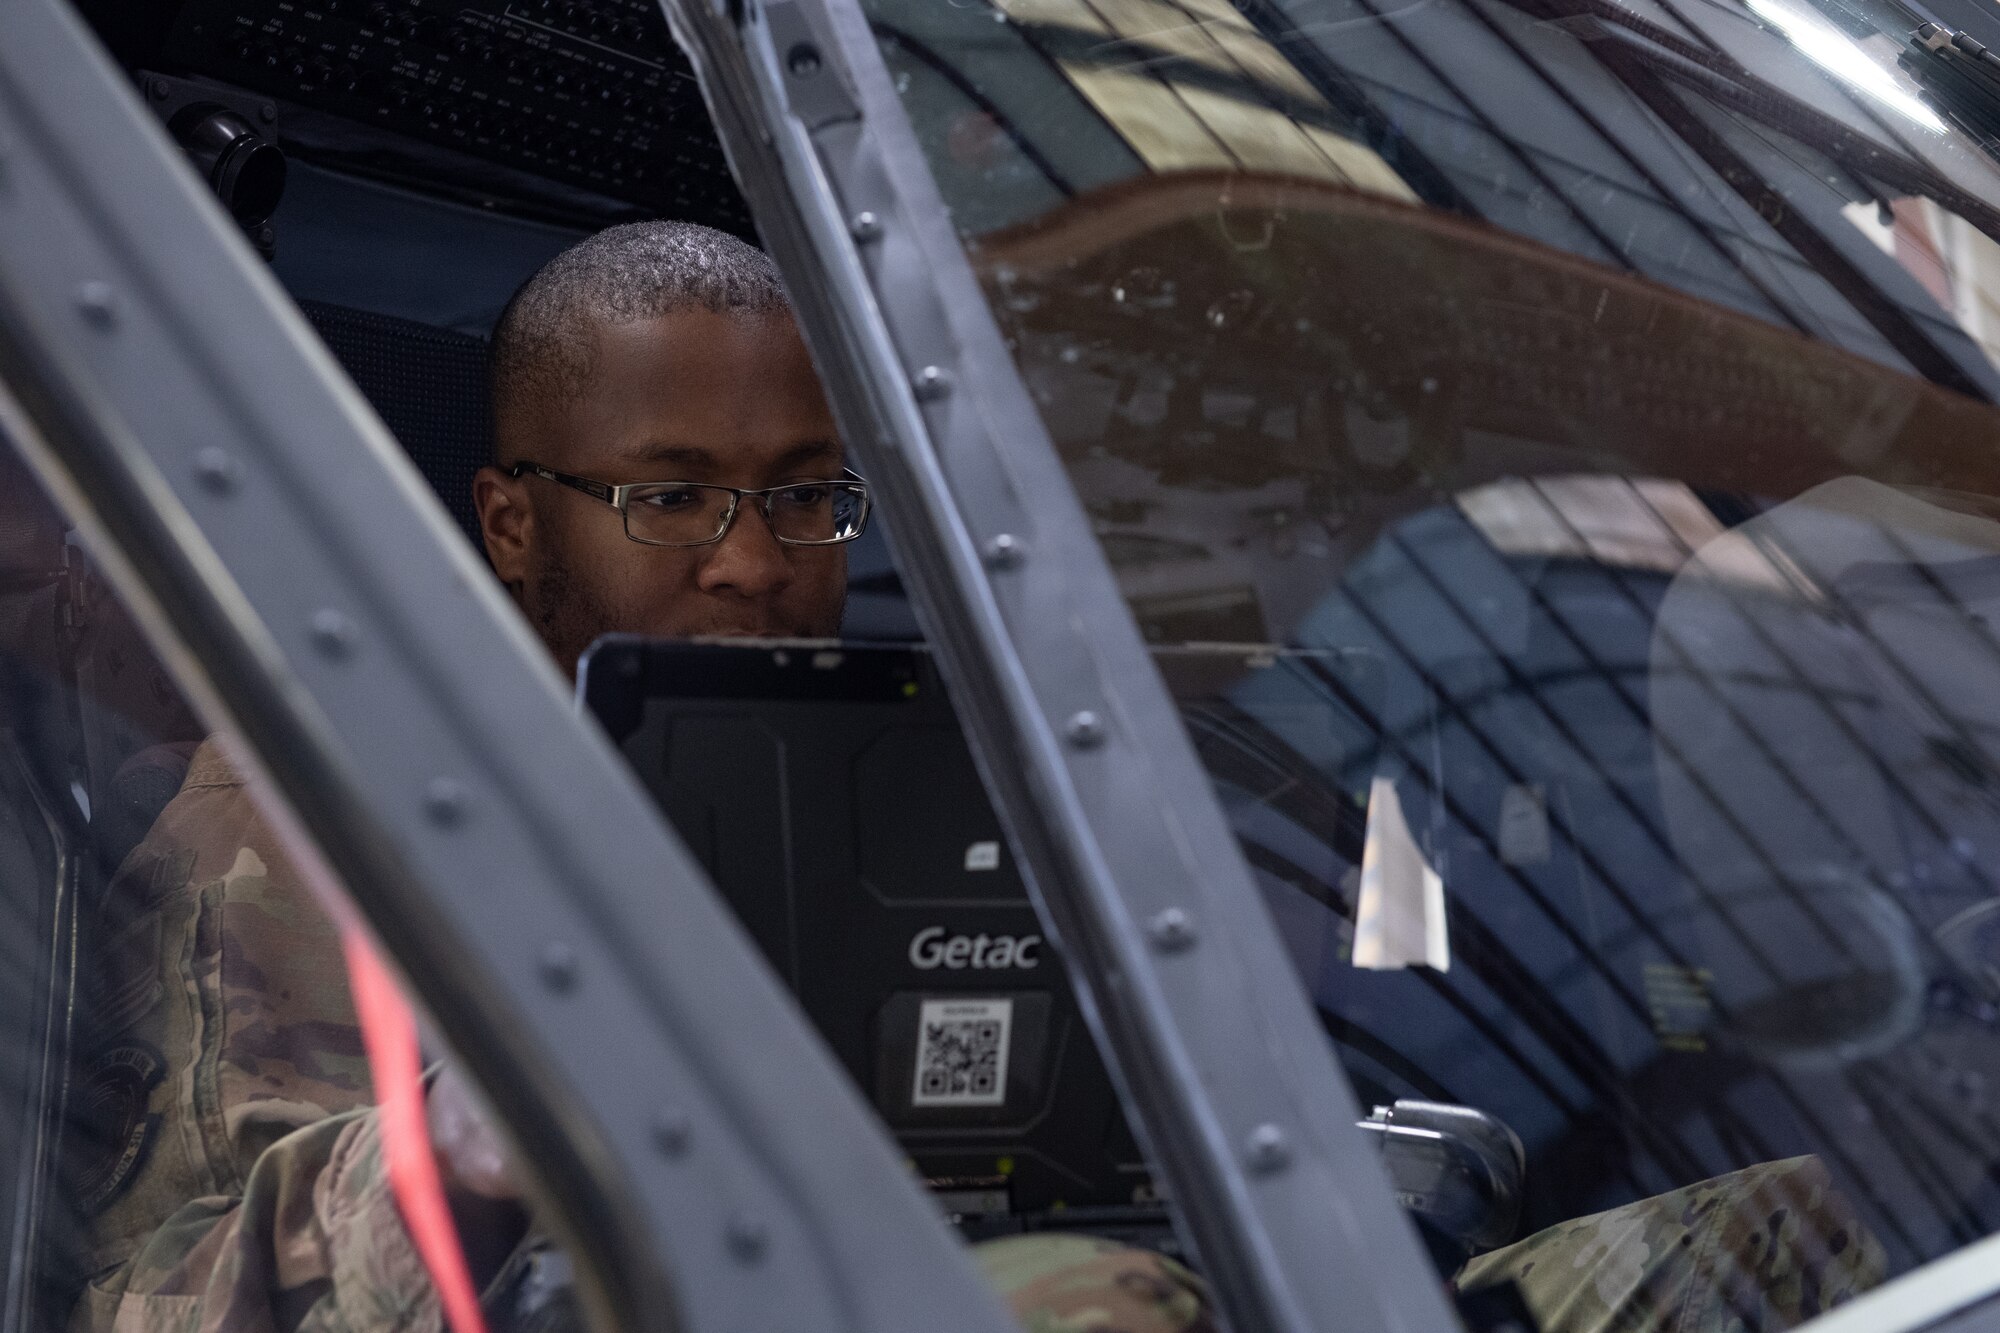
642 270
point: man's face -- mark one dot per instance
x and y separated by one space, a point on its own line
727 399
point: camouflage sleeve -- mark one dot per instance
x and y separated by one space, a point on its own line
315 1243
219 1020
1759 1250
1070 1283
1756 1251
231 1180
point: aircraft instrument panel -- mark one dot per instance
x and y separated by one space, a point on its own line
592 93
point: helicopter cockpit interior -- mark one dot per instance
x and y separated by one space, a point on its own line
403 168
1579 991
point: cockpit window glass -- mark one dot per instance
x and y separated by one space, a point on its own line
188 1089
1548 444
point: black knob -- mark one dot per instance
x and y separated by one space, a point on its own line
246 170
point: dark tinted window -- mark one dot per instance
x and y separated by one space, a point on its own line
1578 418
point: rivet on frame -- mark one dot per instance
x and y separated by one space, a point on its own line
1266 1150
332 633
444 802
865 227
931 384
215 470
803 61
1004 551
748 1238
672 1133
97 303
1085 730
1172 930
558 967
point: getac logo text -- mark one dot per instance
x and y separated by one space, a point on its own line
930 949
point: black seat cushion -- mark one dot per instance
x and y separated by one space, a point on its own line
429 386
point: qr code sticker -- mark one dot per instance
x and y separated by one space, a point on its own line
962 1052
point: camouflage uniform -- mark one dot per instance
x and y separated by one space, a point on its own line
1068 1283
226 1194
237 1179
1753 1251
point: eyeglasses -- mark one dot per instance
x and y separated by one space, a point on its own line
692 513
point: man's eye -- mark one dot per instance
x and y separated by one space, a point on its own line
679 497
803 497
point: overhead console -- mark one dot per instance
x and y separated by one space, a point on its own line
581 110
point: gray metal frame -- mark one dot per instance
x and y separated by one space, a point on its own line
1955 1292
37 1088
706 1159
1233 1085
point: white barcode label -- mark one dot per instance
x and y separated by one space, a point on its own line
962 1052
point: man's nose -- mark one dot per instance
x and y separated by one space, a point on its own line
748 561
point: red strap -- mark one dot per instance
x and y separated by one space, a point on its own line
389 1034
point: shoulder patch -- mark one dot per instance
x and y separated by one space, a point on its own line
127 968
112 1120
173 871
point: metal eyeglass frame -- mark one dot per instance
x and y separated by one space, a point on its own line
619 498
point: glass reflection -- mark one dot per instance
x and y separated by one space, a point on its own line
1576 420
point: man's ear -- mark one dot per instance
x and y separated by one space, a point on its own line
507 522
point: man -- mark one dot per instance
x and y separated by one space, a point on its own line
656 354
249 1193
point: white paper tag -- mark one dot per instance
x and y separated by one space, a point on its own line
1399 917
